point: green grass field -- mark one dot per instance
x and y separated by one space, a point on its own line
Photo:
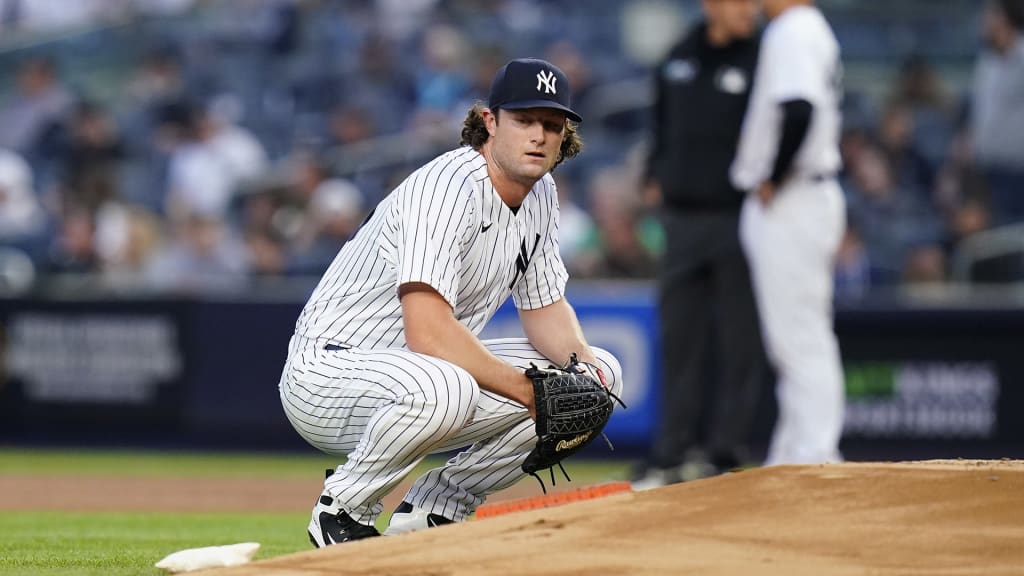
109 543
38 543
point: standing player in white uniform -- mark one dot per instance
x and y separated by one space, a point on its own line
385 365
792 223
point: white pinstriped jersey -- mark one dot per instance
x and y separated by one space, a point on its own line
444 226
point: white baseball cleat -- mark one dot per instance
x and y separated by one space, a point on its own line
408 518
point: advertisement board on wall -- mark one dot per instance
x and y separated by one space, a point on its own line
206 372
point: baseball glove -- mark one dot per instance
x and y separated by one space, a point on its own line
572 407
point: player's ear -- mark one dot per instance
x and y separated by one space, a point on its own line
490 120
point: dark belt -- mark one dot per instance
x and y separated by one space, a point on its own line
336 347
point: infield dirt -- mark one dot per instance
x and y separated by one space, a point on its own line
961 517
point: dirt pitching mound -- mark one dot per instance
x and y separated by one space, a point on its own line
934 518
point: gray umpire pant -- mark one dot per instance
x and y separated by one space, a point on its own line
705 291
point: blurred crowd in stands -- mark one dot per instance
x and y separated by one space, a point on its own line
196 146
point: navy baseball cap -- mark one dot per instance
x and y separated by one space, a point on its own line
531 83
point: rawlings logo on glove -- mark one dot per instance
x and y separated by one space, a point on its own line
570 444
573 405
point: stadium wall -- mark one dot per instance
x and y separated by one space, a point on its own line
202 373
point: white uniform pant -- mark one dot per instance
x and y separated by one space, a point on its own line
791 246
387 409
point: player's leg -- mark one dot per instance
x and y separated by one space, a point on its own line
499 438
741 358
385 409
791 247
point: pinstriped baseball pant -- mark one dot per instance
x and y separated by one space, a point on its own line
387 409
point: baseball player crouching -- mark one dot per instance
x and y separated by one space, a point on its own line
385 365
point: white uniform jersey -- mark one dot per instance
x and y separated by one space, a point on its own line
799 60
447 227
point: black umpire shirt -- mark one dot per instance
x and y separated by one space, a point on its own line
701 97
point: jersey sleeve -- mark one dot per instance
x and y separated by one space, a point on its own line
434 212
545 277
793 68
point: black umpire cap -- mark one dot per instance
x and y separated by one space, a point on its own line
531 83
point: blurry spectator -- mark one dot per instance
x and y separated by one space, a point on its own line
384 95
354 124
206 163
88 152
267 224
240 151
350 124
896 137
318 216
145 117
157 81
127 237
967 219
916 126
997 118
961 193
74 249
202 257
334 214
266 254
892 221
21 215
441 83
39 101
920 93
260 211
306 171
616 213
925 265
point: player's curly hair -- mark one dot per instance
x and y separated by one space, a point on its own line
474 133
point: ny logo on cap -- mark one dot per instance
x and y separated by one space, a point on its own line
546 79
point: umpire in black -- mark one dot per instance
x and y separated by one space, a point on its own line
702 89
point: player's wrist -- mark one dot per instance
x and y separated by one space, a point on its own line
526 397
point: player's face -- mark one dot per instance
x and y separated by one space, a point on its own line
737 18
525 143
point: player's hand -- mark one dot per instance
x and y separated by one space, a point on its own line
766 193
